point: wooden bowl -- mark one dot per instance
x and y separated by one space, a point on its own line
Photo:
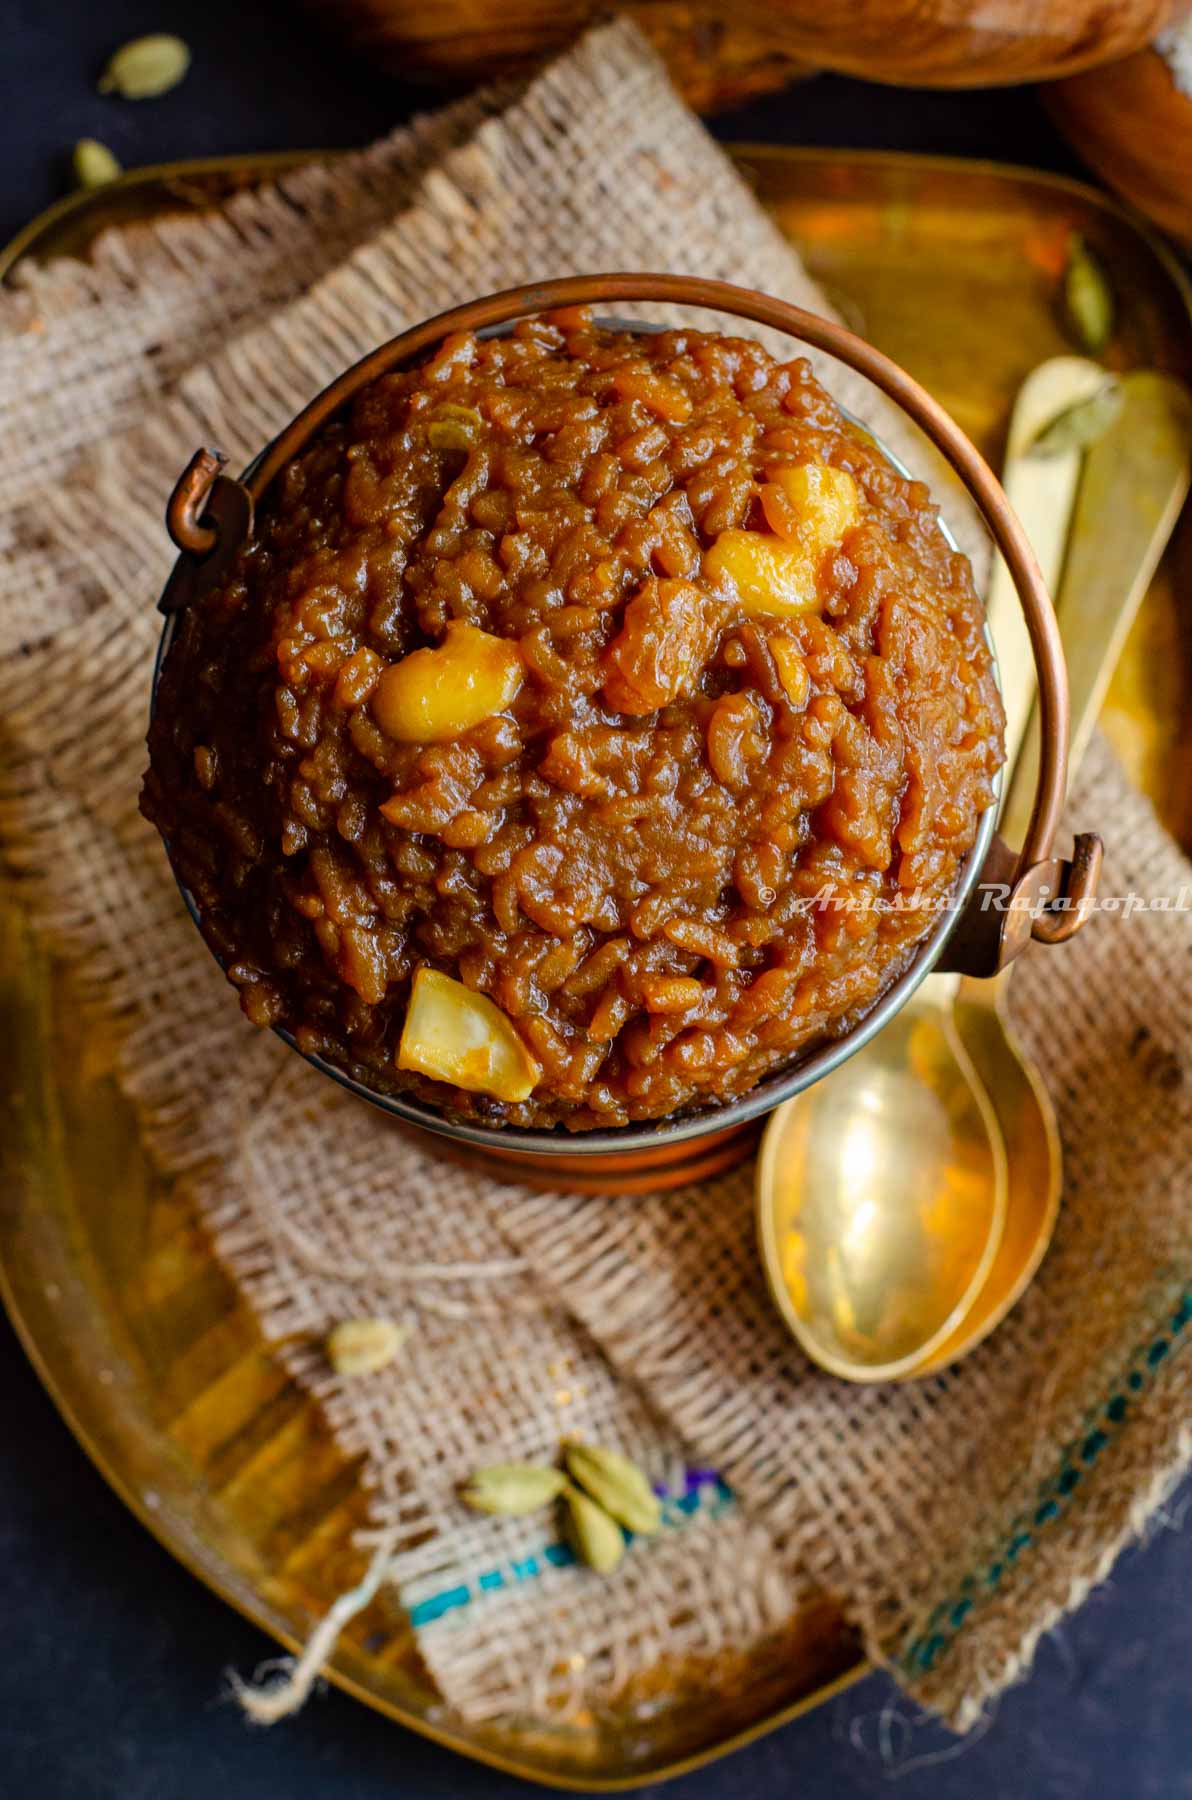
1131 123
719 53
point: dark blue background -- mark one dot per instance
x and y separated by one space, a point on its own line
110 1654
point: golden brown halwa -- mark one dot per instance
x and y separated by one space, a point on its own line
574 669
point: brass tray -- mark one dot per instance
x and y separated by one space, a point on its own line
141 1339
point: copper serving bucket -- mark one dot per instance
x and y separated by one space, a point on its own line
210 516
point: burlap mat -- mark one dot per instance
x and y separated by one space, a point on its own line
955 1518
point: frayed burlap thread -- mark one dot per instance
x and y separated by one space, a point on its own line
532 1316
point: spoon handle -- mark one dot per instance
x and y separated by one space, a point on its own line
1131 490
1042 491
1132 486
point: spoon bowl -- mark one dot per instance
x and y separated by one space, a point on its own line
882 1198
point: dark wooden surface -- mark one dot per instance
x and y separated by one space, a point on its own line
111 1656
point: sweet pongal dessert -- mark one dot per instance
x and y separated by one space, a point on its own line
567 743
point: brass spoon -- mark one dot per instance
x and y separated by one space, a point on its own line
1043 492
1133 485
882 1191
881 1199
880 1207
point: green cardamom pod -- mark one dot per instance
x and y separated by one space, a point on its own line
146 67
362 1346
616 1482
510 1489
598 1539
1080 424
93 163
1088 297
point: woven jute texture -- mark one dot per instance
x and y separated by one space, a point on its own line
956 1519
